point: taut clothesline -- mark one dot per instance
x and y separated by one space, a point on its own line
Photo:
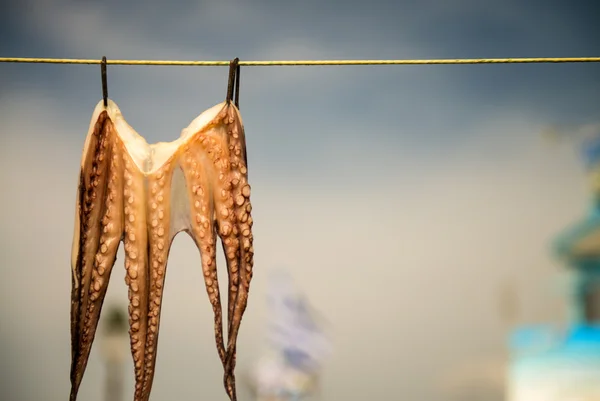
305 62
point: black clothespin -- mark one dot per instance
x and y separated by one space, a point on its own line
233 85
104 84
237 85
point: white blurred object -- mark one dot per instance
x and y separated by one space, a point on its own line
298 342
293 326
273 379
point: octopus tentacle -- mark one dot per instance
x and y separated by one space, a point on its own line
144 195
203 233
137 266
98 231
239 246
159 243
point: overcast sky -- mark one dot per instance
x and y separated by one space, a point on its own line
403 199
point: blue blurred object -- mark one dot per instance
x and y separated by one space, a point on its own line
545 338
562 362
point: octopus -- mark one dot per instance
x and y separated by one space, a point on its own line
144 195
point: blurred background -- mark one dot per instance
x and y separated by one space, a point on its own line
415 206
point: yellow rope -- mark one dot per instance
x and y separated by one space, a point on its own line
305 62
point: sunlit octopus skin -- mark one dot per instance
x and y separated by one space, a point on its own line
144 195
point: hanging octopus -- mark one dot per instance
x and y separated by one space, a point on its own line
144 195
